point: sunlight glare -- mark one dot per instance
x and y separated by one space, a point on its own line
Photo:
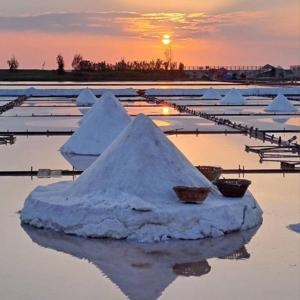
165 110
166 39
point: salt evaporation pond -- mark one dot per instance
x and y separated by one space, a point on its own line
267 258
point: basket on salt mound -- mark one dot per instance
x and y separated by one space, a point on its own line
194 195
192 269
135 200
234 188
211 173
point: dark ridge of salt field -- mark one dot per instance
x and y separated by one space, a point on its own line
40 264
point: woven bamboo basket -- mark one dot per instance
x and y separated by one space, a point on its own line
233 187
191 194
211 173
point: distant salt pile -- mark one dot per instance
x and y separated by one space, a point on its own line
30 92
233 98
128 193
86 98
280 104
211 94
105 121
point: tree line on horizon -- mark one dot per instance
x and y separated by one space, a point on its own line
79 64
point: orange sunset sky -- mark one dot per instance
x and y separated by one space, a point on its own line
218 32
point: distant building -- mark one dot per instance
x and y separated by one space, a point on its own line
296 71
269 72
266 72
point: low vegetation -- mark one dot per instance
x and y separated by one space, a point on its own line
86 70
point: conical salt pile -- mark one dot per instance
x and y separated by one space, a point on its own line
90 111
233 97
30 91
280 104
128 193
86 98
211 94
106 119
143 163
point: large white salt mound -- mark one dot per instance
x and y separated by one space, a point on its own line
152 166
280 104
128 193
233 97
86 98
106 120
211 94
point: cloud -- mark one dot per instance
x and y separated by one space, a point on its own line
131 24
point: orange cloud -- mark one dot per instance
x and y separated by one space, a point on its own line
197 37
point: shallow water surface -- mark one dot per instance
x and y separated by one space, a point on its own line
31 259
263 263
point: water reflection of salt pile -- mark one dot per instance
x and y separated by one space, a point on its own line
79 162
281 120
144 271
83 111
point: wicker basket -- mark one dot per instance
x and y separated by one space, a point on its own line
233 187
191 194
239 254
192 269
211 173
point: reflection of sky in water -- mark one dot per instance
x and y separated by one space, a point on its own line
44 152
4 102
58 123
169 122
44 103
128 84
161 123
6 98
41 108
150 110
204 123
267 123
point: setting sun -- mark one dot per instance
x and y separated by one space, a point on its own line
166 39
